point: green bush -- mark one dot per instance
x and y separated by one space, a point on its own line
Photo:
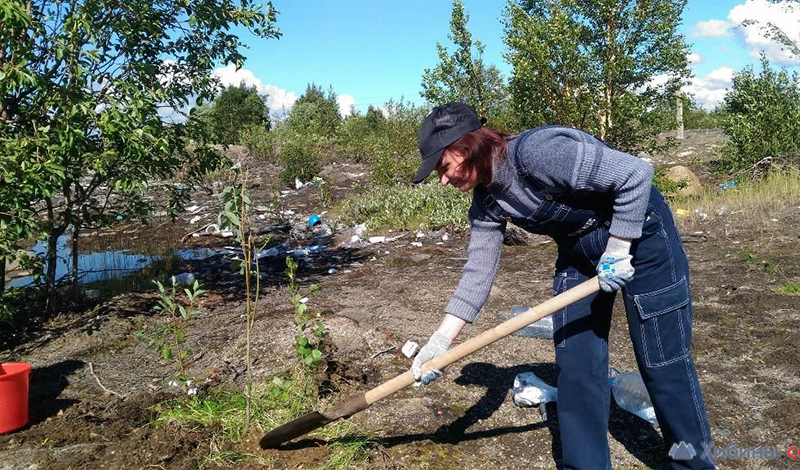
315 113
403 207
396 156
762 120
262 143
300 155
666 186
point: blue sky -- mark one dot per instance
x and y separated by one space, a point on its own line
371 51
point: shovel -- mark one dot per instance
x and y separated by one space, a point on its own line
314 420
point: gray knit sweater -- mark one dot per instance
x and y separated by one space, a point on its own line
562 158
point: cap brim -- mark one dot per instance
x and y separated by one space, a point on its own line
427 166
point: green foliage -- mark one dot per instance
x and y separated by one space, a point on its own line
359 136
234 109
309 342
591 65
262 142
177 315
696 117
407 208
463 76
80 101
395 155
666 186
224 414
762 120
790 288
315 112
301 155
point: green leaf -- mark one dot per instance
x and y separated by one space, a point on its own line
316 354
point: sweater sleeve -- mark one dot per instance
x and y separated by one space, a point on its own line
483 257
568 158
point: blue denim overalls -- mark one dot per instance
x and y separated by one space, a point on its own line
659 312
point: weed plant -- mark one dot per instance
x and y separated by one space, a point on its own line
403 207
170 336
750 205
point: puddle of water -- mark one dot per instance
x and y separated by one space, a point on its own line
106 265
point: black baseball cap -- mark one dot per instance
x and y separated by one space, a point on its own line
443 126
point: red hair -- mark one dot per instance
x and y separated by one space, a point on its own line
481 147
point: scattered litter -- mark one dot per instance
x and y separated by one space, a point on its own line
314 220
297 183
304 300
539 329
195 219
212 228
420 234
685 154
699 232
417 244
631 394
529 390
727 185
184 279
92 294
272 252
773 220
409 348
445 237
360 229
723 209
355 239
332 271
377 239
683 212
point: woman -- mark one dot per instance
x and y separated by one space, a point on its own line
608 220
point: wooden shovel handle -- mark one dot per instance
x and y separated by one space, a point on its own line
488 337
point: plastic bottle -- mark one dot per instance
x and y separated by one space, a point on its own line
631 395
539 329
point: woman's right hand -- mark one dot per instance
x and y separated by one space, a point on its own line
436 346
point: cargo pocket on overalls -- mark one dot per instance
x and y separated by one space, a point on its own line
561 282
664 323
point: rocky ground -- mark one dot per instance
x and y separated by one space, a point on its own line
378 296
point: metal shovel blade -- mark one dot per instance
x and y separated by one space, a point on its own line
293 429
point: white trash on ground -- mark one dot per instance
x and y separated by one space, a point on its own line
529 390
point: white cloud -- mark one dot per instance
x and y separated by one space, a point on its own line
712 29
695 58
345 102
278 99
710 90
785 15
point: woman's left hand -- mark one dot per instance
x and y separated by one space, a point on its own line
614 270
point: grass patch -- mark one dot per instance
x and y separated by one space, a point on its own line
754 203
223 414
403 207
790 288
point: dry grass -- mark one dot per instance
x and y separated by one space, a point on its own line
753 206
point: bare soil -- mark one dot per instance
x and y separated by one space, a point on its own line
746 347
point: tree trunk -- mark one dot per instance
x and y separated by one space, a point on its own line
50 274
679 116
54 232
2 273
75 253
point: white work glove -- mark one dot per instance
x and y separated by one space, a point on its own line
614 269
436 346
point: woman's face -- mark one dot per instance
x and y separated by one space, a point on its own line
452 172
